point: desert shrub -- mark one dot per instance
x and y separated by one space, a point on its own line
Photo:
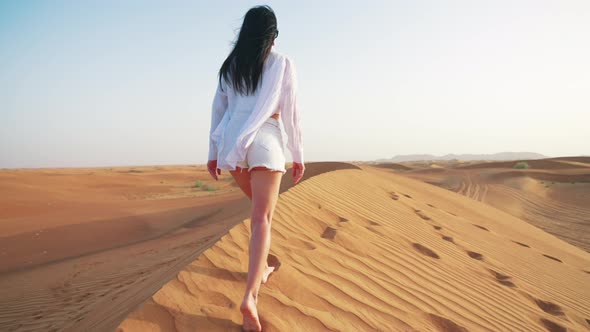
198 184
209 188
521 165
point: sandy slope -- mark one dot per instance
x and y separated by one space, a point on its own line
367 249
81 248
554 194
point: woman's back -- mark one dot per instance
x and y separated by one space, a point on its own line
276 93
242 103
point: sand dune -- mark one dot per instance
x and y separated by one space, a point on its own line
81 248
96 209
393 166
554 194
371 250
548 163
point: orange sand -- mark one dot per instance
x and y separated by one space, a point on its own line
553 194
372 250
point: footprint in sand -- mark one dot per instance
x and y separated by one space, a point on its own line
408 196
372 223
521 244
445 325
342 219
553 258
431 205
478 226
438 228
218 299
424 250
273 260
448 238
549 307
475 255
394 195
502 278
552 326
329 233
421 214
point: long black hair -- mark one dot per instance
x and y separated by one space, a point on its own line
243 66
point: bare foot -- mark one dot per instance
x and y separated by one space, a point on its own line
248 309
267 271
272 264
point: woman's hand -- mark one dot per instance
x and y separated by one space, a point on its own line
298 170
213 170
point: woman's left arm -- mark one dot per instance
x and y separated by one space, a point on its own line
290 112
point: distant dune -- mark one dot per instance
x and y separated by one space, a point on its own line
393 166
553 193
549 163
367 249
467 157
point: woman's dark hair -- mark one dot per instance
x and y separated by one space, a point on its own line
243 66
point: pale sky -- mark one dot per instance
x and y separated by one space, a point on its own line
109 83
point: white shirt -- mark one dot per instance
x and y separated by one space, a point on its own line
276 93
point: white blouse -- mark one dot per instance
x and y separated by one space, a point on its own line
276 93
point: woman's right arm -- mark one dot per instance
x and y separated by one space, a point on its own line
217 111
290 113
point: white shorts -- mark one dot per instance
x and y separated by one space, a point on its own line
267 149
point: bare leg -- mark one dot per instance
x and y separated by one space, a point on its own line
242 178
265 190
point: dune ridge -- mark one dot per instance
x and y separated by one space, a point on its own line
366 249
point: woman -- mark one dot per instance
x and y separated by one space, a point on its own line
256 85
